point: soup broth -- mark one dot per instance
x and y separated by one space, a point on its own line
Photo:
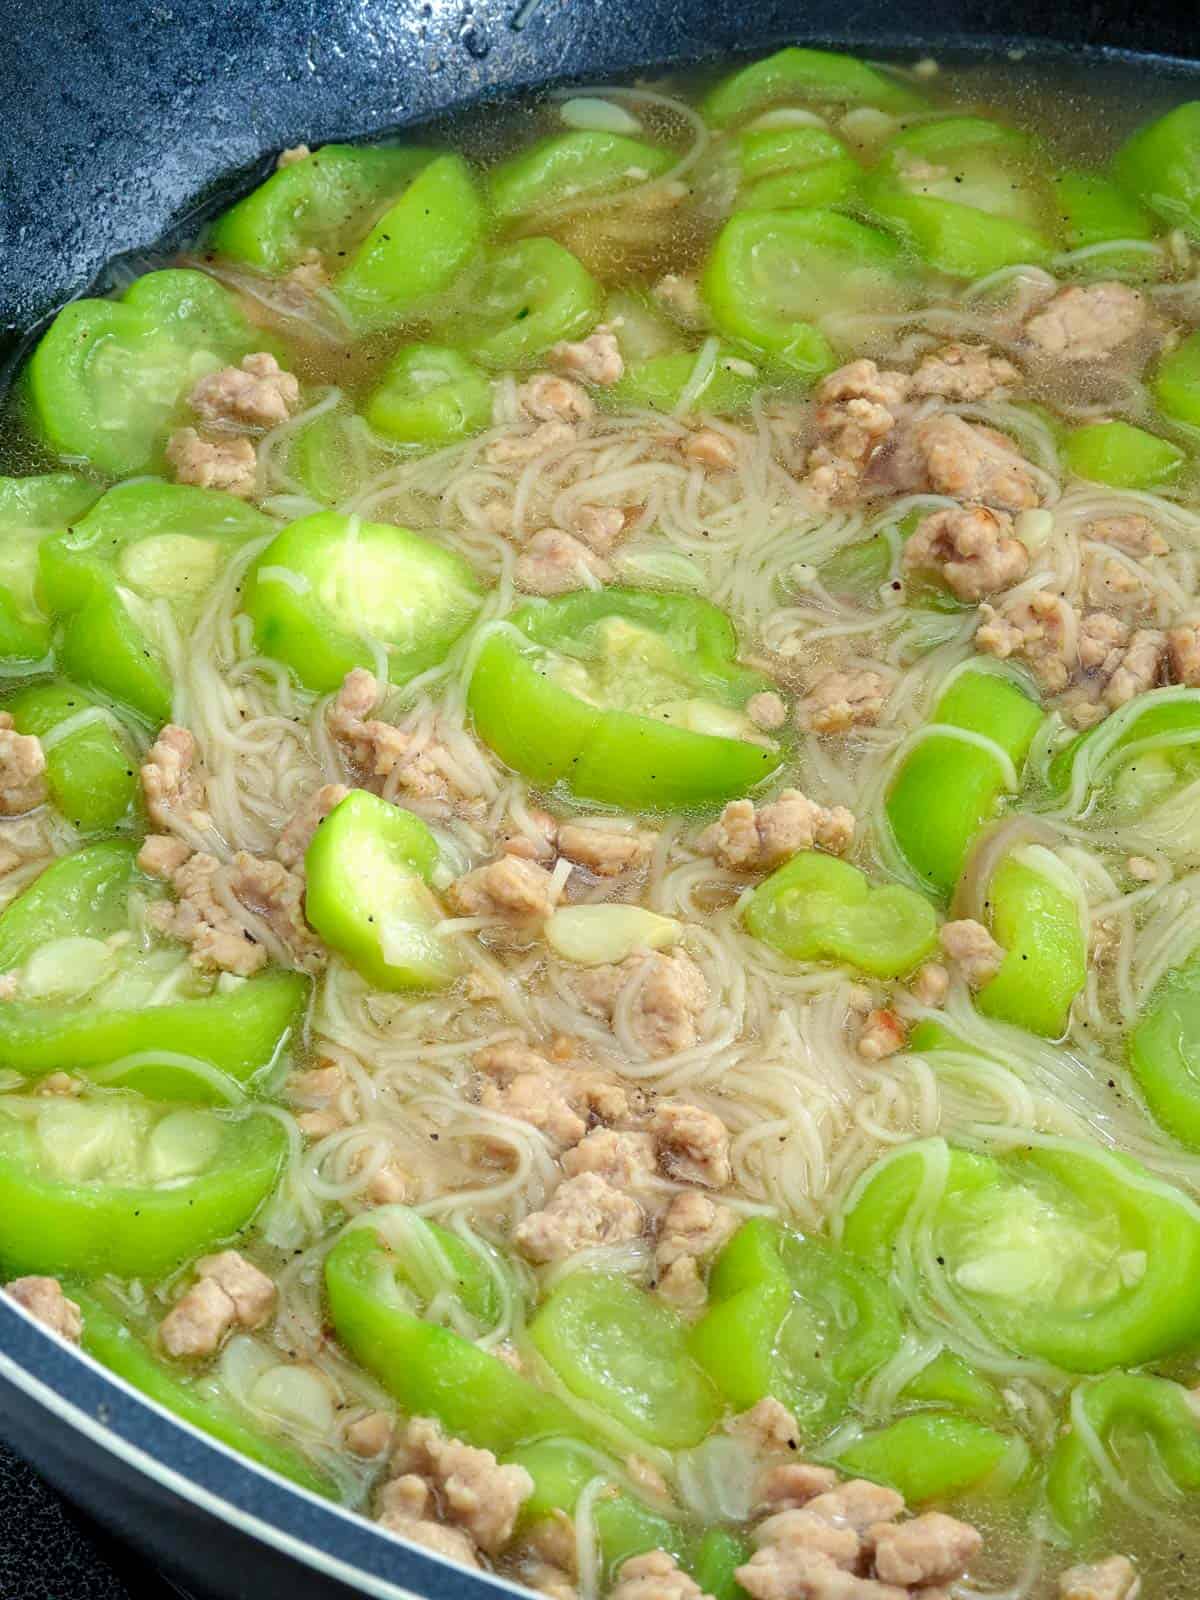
599 760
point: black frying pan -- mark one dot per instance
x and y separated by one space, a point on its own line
120 120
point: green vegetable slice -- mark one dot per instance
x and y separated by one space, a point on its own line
107 381
773 275
626 697
108 1182
417 248
806 77
1159 166
1164 1053
430 395
330 586
526 297
91 768
1059 1252
817 908
1123 456
573 166
937 1455
1035 916
430 1369
368 870
326 202
946 786
620 1350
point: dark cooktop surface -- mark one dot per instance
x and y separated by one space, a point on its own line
49 1552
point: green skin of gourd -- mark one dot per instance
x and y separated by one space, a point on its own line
523 298
1164 1054
430 395
324 203
31 510
805 166
241 1033
91 774
625 1526
618 756
416 596
946 789
817 908
979 200
772 274
775 1300
1123 1404
430 1370
1046 1203
417 249
1037 924
1123 456
1159 166
116 1346
936 1456
624 1352
79 570
52 1224
1157 715
576 165
1176 384
805 77
108 380
368 865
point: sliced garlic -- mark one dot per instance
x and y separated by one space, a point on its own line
788 117
598 116
1033 528
866 128
594 936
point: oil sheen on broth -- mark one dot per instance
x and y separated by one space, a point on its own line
599 769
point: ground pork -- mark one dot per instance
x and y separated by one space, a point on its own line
517 449
962 372
560 1101
298 834
654 1576
692 1144
767 710
933 1548
971 547
750 838
258 394
680 298
548 398
22 770
693 1229
1112 1579
599 527
510 888
969 462
627 1160
715 452
172 782
290 156
554 562
605 850
583 1212
369 1435
276 894
1138 669
883 1033
1183 653
670 998
1039 629
1088 322
229 1292
931 984
1134 534
405 1506
769 1426
856 410
230 464
44 1300
840 701
596 359
971 948
476 1493
219 939
383 756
